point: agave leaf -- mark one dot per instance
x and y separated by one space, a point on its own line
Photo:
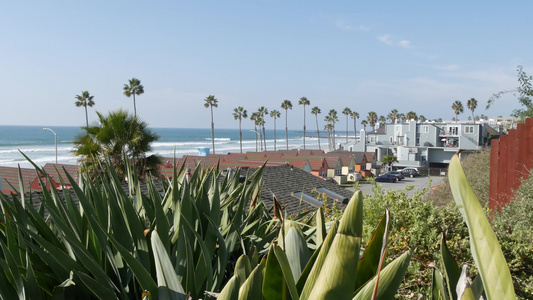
168 285
297 252
231 289
12 271
477 287
251 288
468 294
99 290
437 285
451 268
337 277
306 283
368 265
278 280
320 227
486 250
390 279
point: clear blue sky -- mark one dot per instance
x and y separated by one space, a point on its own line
369 56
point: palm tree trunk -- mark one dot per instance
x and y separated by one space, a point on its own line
135 107
255 130
354 130
275 134
212 130
86 116
240 134
346 128
286 130
317 132
264 137
304 127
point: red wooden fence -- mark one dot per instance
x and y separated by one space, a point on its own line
511 158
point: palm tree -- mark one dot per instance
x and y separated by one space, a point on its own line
457 107
372 119
134 88
119 137
400 117
346 111
393 116
329 128
472 104
286 105
382 119
254 118
211 102
85 99
332 118
316 111
240 113
303 101
389 160
411 116
275 114
354 115
263 112
422 118
364 123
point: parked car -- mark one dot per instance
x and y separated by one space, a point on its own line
410 172
386 178
398 174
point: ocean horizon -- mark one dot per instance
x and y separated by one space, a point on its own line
39 144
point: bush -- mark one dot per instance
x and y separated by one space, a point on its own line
513 226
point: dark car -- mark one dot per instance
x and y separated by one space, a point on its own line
397 174
386 178
410 172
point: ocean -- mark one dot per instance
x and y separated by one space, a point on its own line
39 144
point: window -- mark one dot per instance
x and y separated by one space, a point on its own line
425 129
453 130
469 129
391 139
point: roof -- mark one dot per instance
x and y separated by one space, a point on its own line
282 181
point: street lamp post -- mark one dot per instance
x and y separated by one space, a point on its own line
55 135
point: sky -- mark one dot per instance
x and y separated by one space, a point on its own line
366 55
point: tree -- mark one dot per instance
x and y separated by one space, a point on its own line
422 118
85 99
389 160
332 119
263 112
240 113
133 88
393 116
382 119
329 128
211 102
400 117
118 137
354 115
346 111
472 104
316 111
411 116
364 123
372 119
525 94
286 105
303 101
254 117
275 114
457 108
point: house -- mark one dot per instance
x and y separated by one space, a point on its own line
422 145
31 181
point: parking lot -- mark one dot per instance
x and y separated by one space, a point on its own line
419 183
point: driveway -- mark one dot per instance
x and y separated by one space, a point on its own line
419 183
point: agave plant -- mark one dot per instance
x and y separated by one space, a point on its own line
494 279
332 271
102 240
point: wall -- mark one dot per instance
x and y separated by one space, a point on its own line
511 158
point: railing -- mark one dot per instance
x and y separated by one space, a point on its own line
511 158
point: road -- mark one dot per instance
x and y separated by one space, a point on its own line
419 183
